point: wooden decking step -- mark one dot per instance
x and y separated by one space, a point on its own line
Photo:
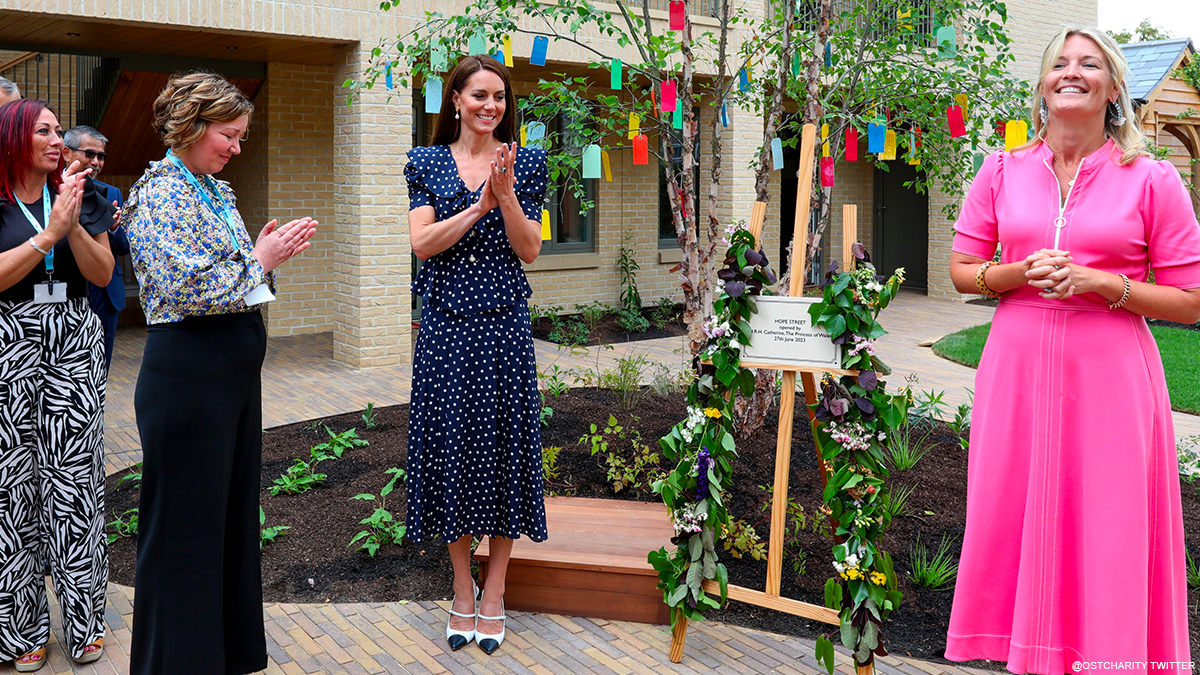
593 564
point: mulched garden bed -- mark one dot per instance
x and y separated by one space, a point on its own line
570 328
312 563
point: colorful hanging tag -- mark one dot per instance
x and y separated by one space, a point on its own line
668 96
524 136
635 123
828 55
795 64
534 132
946 42
902 16
1001 127
438 60
961 100
677 16
889 145
541 44
743 80
912 149
476 44
826 172
591 161
615 74
604 161
876 133
777 153
545 225
677 118
433 95
387 77
825 140
641 150
1016 132
958 125
499 54
977 161
724 116
851 144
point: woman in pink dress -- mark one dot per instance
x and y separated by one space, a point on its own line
1073 558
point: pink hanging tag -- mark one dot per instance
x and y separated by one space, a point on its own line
958 126
826 172
668 96
677 15
851 144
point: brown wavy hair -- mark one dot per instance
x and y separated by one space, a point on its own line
192 101
447 129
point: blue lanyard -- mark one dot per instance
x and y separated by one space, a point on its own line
40 226
225 212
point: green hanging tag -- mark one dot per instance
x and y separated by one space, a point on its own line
615 72
677 117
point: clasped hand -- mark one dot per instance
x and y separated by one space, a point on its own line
276 245
500 187
1050 271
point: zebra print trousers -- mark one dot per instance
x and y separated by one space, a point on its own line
51 474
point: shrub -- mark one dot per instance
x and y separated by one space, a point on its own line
633 465
632 321
932 573
381 524
626 379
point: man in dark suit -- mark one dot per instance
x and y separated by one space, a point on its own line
86 145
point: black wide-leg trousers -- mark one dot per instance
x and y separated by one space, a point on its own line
198 591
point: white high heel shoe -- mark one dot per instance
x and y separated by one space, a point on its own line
461 638
489 642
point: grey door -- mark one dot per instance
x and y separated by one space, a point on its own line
901 225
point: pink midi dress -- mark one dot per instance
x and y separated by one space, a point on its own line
1074 548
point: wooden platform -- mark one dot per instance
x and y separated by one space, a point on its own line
593 564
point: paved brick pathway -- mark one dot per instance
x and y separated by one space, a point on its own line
301 381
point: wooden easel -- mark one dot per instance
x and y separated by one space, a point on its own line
770 598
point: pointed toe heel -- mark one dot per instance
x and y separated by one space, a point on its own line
458 639
489 642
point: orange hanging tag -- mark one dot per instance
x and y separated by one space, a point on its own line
641 150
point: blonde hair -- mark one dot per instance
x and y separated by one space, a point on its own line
192 101
1128 136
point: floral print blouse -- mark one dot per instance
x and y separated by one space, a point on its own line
185 263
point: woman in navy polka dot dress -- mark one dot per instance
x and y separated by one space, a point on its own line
474 438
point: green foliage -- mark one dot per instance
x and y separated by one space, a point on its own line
1145 32
545 412
1193 572
906 448
300 477
961 424
382 527
567 330
134 476
631 300
927 409
1188 452
626 379
796 521
895 503
741 539
126 525
664 312
665 381
267 535
550 462
631 463
932 572
591 313
632 320
338 444
368 416
553 381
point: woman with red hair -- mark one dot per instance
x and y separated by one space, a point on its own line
52 242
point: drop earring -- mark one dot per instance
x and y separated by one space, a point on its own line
1044 112
456 113
1114 111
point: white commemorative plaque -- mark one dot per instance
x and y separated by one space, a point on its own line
781 333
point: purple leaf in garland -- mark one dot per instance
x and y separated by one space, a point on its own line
860 252
771 278
843 338
747 270
839 407
753 258
867 379
865 405
823 415
764 262
727 275
735 289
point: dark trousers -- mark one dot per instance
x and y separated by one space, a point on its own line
198 591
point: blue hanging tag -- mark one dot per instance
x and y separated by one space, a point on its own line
828 55
433 95
743 80
387 77
876 135
724 116
534 132
540 45
499 55
777 153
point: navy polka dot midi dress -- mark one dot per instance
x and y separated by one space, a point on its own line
474 434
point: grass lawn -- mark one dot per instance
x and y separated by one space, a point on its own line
1178 347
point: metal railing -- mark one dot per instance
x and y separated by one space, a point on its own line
78 87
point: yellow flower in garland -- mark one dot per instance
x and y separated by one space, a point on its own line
852 573
713 413
878 578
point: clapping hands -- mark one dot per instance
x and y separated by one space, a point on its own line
499 188
277 244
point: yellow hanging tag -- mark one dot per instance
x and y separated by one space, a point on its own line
825 140
607 166
635 123
902 18
889 145
524 137
961 100
1016 132
545 225
508 62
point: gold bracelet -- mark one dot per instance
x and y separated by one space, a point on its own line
981 284
1124 296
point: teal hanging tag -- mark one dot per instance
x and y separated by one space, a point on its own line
777 153
438 61
433 95
591 161
947 42
615 74
724 116
387 76
476 44
677 118
535 132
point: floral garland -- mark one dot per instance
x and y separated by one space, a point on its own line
857 415
703 444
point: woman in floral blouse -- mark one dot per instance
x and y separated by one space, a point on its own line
199 395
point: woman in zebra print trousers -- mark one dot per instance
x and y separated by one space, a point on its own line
53 241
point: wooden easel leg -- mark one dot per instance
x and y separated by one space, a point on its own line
679 636
779 498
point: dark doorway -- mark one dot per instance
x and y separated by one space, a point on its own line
901 225
787 217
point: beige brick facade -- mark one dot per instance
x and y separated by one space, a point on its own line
310 154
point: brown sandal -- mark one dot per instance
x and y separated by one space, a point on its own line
31 661
92 652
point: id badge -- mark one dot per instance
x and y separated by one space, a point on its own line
43 296
261 293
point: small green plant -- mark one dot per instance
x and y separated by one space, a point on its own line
126 525
134 475
591 313
896 503
267 534
741 539
927 408
567 331
550 462
553 381
545 412
906 448
961 424
626 379
338 444
381 524
632 466
932 572
631 320
664 312
796 521
301 476
1193 572
630 298
664 381
368 416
